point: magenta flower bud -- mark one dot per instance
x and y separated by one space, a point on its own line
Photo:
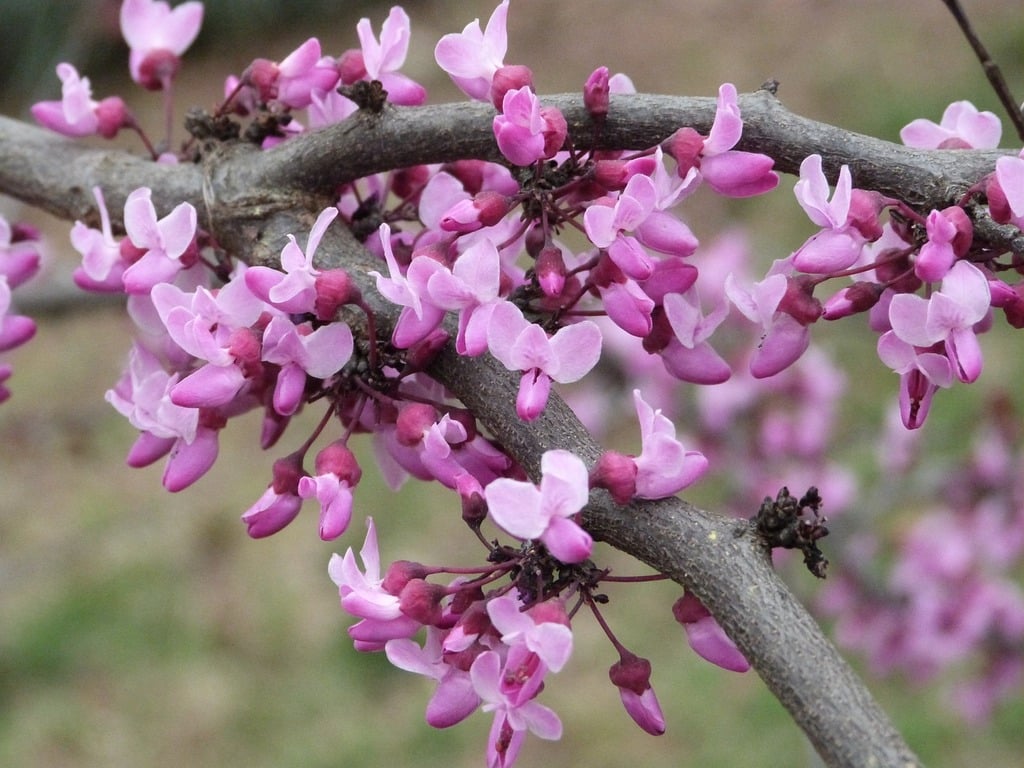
421 601
413 421
470 172
550 270
631 672
334 288
262 75
688 609
661 332
632 676
423 352
407 183
855 298
685 146
158 68
595 94
509 78
112 115
549 611
865 208
400 573
337 459
799 302
245 346
555 130
611 174
998 205
351 66
616 473
484 210
287 473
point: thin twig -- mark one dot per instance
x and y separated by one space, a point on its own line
992 71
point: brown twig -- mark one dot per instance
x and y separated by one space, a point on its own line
992 71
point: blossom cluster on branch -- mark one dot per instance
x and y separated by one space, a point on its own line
558 259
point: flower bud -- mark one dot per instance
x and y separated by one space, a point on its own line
413 420
400 573
798 302
337 459
509 78
555 130
685 146
616 473
334 288
550 270
420 600
595 94
855 298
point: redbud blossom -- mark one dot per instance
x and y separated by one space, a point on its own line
705 636
595 94
632 676
157 37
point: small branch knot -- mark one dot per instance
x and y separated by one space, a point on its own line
793 523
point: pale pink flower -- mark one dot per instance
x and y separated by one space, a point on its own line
157 37
962 127
77 113
473 56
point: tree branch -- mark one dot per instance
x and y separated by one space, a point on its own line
250 200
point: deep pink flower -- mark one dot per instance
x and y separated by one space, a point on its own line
705 636
838 245
157 37
519 129
296 78
513 715
419 316
785 338
606 224
525 511
948 316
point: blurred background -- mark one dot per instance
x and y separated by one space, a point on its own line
141 628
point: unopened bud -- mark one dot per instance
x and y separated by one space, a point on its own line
595 94
616 473
511 77
420 600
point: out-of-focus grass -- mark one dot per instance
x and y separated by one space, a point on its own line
140 628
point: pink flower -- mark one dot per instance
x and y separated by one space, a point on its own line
1006 191
166 243
15 330
472 57
77 114
292 290
524 346
544 632
606 224
382 59
705 636
300 351
294 81
729 171
519 129
363 595
632 676
157 37
664 466
419 316
454 699
470 287
102 265
525 511
838 245
785 338
950 233
337 474
513 714
948 316
962 127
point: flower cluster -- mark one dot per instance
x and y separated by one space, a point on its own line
476 250
19 262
